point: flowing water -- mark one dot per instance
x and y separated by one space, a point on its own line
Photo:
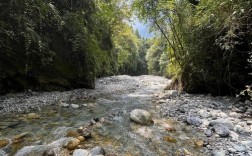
119 136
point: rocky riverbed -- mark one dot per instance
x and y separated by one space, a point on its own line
224 120
124 115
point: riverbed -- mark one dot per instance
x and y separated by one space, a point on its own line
48 118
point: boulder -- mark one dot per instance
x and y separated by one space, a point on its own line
140 116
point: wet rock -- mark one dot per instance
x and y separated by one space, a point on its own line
2 153
208 133
222 130
97 151
19 137
218 153
73 144
74 106
140 116
80 152
4 143
193 121
223 122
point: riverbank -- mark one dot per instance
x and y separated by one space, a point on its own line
224 120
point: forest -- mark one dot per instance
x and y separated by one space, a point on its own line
82 78
204 46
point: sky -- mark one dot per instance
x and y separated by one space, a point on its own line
142 28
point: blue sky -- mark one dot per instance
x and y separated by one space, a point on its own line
142 28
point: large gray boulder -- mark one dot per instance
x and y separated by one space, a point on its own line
140 116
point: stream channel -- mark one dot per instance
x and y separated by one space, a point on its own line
110 103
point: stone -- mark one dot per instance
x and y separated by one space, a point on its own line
170 139
231 150
72 133
234 136
199 143
86 133
2 153
20 136
74 106
239 148
222 130
218 152
80 129
238 129
81 138
223 122
80 152
208 133
247 143
204 113
193 121
248 102
4 143
98 150
48 153
234 114
172 93
65 105
140 116
249 123
73 144
32 116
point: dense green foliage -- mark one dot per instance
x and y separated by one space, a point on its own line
157 57
208 42
61 44
205 46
